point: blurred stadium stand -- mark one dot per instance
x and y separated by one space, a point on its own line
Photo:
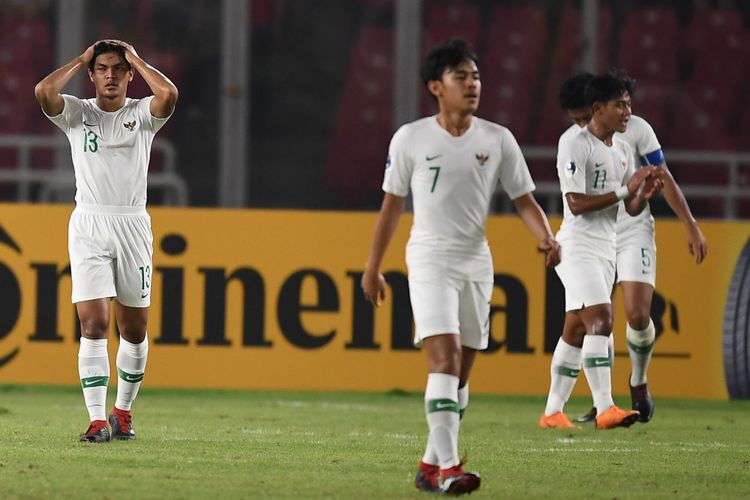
691 60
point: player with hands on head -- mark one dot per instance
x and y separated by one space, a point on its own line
110 242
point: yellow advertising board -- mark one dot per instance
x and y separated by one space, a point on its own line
262 299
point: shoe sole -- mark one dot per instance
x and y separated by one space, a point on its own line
94 439
625 422
464 486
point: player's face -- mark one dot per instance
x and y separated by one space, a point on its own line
580 116
460 88
111 75
615 114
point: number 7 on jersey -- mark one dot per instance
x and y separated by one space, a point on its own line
434 181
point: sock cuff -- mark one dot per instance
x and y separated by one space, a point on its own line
134 350
643 337
92 348
567 354
595 345
463 397
441 386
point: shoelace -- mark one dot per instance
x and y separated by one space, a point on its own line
93 429
124 419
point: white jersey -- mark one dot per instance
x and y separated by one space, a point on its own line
586 165
646 150
452 181
110 150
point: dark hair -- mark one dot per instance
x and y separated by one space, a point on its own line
626 79
573 91
604 88
105 47
446 55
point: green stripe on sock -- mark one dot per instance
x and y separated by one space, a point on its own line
88 382
567 372
641 349
461 413
130 377
434 405
596 362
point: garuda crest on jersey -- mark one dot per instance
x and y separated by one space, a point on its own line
482 157
129 125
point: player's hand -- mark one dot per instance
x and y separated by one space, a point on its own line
129 50
652 187
551 249
88 54
697 243
373 286
638 178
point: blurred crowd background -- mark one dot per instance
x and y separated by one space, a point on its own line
309 90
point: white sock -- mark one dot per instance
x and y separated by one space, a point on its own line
640 347
463 400
131 363
611 350
93 370
441 408
564 369
597 370
430 455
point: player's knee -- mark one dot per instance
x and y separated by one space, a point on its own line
639 320
94 327
446 362
133 329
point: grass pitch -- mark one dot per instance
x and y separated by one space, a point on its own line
234 444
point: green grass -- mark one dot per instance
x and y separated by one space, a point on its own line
233 444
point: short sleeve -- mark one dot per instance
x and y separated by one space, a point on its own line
630 165
647 145
399 166
144 110
71 108
514 176
571 166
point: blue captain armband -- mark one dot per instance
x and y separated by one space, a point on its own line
653 158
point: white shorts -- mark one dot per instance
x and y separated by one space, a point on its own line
636 256
459 307
111 250
588 281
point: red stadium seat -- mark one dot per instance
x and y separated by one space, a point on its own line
357 152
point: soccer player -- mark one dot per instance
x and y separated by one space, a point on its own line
596 171
109 235
452 163
636 245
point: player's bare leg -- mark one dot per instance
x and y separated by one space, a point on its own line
641 336
131 364
93 365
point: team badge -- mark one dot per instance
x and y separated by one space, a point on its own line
129 125
482 157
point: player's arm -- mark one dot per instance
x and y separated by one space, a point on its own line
536 221
373 282
48 91
676 200
580 203
165 92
